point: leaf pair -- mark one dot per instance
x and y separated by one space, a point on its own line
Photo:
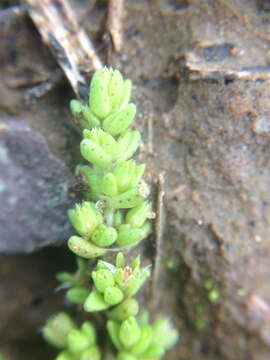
109 94
61 332
136 341
113 283
101 149
109 103
96 236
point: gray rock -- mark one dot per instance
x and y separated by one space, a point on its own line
33 190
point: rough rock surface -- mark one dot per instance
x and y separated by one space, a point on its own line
201 78
34 190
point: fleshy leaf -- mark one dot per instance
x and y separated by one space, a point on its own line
129 143
125 356
130 198
64 355
164 334
118 122
128 236
84 248
113 295
57 328
102 279
120 260
89 330
99 99
93 177
103 139
113 329
126 93
142 345
77 341
77 295
154 351
129 332
95 302
109 185
137 216
128 307
116 87
93 353
84 218
94 153
104 236
118 218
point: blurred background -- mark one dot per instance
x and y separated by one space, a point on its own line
201 71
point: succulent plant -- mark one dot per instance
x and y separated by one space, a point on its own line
114 216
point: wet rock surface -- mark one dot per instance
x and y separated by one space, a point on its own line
201 76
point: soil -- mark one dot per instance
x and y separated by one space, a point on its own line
201 85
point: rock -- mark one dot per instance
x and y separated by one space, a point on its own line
28 298
201 76
34 190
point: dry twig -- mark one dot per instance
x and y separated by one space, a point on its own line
69 43
114 22
159 235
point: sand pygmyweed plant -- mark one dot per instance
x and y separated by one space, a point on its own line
114 216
